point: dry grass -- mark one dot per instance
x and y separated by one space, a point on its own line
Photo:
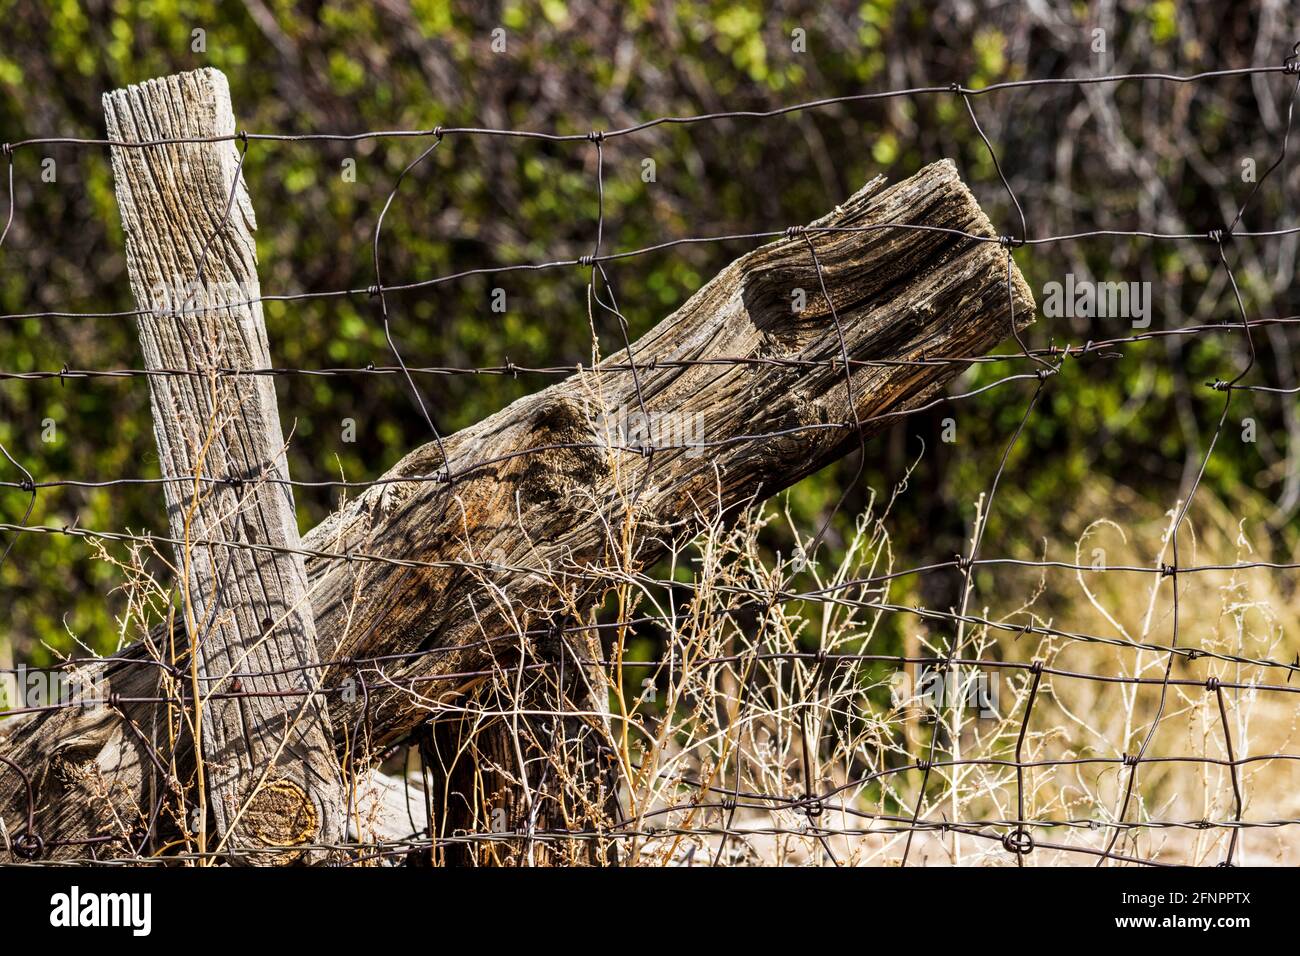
749 720
766 731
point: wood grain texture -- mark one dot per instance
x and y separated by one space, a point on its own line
186 259
543 495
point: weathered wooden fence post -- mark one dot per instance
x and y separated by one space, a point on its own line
272 779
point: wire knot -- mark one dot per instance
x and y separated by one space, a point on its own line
436 132
7 148
1219 385
794 232
1292 63
1018 841
372 290
586 260
596 136
1010 242
1168 571
27 485
242 136
1212 684
28 845
1217 236
1130 760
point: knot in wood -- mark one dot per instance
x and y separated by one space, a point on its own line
280 815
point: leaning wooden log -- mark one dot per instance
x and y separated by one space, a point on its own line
433 574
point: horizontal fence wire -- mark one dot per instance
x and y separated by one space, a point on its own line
1017 835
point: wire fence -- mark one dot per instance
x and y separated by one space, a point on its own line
806 690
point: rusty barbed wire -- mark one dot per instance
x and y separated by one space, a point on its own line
1016 835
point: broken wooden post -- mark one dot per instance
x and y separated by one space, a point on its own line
268 761
539 484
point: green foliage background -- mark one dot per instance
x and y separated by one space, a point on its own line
478 202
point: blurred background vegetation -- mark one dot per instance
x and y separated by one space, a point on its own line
1139 155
